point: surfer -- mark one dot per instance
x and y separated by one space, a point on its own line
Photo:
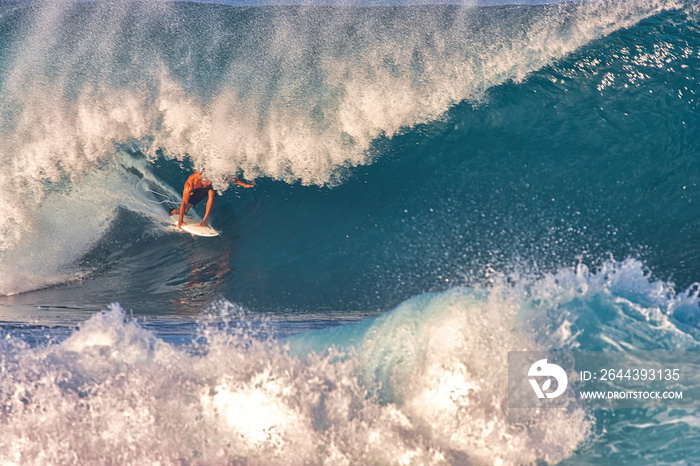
197 187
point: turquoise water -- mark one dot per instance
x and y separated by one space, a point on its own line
435 186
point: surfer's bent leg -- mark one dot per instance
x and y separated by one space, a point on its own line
210 204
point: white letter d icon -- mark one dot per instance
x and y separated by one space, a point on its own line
542 369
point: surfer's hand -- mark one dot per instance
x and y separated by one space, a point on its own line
233 180
179 224
203 224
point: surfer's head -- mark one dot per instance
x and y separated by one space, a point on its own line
203 178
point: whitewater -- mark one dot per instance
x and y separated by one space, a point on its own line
436 185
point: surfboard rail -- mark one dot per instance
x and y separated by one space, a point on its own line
191 225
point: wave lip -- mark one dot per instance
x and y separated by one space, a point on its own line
290 94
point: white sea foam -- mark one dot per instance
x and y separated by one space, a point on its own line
632 311
114 392
425 383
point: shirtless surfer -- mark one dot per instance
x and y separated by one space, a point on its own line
197 187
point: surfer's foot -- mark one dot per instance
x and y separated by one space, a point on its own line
174 211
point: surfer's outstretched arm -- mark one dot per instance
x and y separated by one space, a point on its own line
233 180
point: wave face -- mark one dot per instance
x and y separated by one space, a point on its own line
435 185
304 94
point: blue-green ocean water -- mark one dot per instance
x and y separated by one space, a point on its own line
436 185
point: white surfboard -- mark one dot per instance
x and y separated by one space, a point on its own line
191 225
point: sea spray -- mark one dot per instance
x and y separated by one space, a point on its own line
74 216
291 93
